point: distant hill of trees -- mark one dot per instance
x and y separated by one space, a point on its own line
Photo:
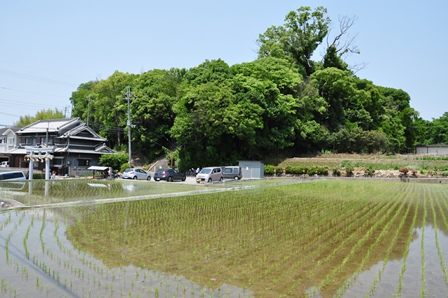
283 103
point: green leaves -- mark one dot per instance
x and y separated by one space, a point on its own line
44 114
301 34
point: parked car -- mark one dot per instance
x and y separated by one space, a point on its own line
135 173
13 175
232 172
169 175
209 175
4 164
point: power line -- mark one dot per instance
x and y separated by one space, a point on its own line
15 103
33 78
30 92
9 114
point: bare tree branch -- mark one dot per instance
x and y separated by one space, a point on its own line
357 67
345 23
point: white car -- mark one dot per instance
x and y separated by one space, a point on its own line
4 164
135 173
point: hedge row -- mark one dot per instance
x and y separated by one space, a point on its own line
270 170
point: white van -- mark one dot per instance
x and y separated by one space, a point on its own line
209 175
15 175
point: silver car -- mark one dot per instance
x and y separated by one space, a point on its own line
135 173
209 175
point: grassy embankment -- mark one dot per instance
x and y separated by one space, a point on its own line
423 165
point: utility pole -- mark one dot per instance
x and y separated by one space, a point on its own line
128 98
88 110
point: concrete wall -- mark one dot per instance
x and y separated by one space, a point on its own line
433 150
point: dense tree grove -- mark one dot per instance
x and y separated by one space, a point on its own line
44 114
280 104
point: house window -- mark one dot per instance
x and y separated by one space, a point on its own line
57 161
83 162
46 140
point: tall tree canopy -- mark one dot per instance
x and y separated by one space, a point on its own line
303 31
282 103
156 92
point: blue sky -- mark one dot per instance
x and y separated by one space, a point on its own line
48 48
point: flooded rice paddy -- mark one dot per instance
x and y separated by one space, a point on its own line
327 238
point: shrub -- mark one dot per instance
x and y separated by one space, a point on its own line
113 160
269 170
345 163
124 167
404 170
38 175
311 171
349 170
278 171
370 171
323 171
336 172
296 170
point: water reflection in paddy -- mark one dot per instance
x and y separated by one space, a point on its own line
263 242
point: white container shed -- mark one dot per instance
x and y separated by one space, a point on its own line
252 169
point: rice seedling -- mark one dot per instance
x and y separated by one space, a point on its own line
423 288
270 240
366 257
406 252
445 222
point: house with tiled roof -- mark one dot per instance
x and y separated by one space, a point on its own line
72 144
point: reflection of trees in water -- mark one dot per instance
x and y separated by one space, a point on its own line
42 262
293 237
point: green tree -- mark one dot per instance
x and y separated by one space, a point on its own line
332 59
399 119
438 131
44 114
357 140
80 100
109 107
337 88
152 114
303 31
342 45
113 160
288 105
423 131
